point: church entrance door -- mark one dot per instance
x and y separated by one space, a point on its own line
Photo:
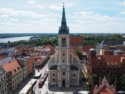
63 83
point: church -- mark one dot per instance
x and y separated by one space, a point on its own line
64 65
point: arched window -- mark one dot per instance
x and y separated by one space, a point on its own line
73 75
63 60
63 73
53 79
63 41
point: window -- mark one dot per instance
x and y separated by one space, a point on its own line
73 75
53 79
73 80
64 41
63 73
63 60
63 54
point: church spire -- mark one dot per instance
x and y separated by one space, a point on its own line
63 29
63 23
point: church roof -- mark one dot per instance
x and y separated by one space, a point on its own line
53 67
73 67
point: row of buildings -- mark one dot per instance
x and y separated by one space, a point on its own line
15 71
17 67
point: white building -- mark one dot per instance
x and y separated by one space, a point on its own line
64 64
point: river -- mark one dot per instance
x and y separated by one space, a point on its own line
13 39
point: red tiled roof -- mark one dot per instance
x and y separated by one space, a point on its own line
2 57
11 66
48 46
38 59
105 90
111 59
87 48
76 40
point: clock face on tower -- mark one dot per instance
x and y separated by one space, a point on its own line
63 41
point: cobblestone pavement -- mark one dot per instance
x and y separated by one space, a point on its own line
55 90
42 71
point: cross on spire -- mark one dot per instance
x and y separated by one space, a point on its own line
63 4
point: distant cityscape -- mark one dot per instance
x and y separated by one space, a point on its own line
62 63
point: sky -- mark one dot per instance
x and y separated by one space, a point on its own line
44 16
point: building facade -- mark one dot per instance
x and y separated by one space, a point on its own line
110 66
64 64
3 84
104 88
105 64
14 74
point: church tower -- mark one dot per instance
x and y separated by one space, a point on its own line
64 64
63 49
63 41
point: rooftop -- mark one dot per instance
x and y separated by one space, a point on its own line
11 66
76 40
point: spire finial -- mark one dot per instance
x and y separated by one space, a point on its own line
63 4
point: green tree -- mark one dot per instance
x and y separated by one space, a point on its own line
95 79
122 81
79 53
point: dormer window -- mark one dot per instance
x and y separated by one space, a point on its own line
14 70
18 68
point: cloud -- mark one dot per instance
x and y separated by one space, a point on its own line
53 7
14 20
45 16
91 21
31 1
90 16
123 3
34 3
71 4
13 12
4 16
40 6
123 12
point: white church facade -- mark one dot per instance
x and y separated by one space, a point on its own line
64 64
